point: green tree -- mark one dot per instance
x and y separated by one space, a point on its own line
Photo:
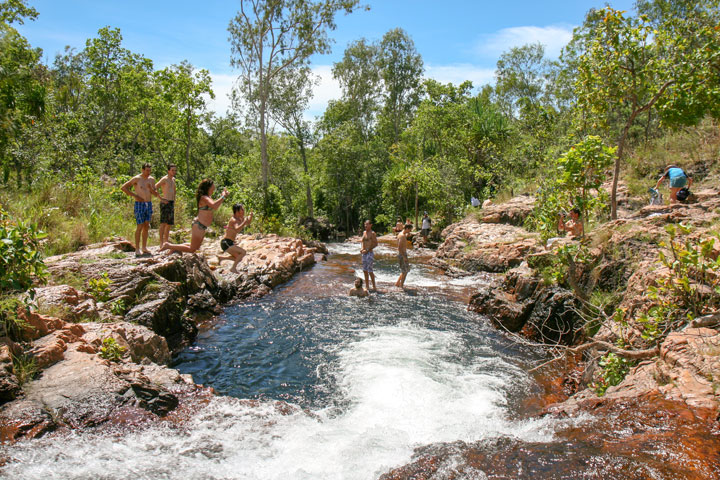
271 36
401 69
631 66
15 11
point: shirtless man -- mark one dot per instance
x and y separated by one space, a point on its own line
369 242
144 186
358 291
402 255
235 225
573 226
167 203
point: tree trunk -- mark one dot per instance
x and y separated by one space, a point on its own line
187 151
308 193
417 213
264 155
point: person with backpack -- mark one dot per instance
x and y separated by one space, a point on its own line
678 180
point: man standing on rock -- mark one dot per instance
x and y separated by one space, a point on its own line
369 242
402 255
144 186
167 203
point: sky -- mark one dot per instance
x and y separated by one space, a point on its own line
458 39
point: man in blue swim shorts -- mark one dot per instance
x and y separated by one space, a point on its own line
144 186
369 242
678 179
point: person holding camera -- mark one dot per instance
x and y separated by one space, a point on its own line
573 225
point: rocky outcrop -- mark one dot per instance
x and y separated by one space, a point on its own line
474 246
148 306
512 212
79 388
687 371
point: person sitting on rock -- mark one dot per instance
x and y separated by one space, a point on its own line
235 225
398 225
574 225
678 179
200 224
358 291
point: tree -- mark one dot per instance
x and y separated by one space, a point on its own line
287 104
12 11
632 65
271 36
520 77
401 69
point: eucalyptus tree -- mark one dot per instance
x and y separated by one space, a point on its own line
521 78
401 69
269 37
288 104
187 88
670 65
15 11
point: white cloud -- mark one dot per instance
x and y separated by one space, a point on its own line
554 37
458 73
222 85
328 89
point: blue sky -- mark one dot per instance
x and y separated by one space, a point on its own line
458 39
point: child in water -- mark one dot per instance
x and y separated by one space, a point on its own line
358 291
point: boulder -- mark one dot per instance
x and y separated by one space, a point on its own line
512 212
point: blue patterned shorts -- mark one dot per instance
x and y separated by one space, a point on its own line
143 212
367 261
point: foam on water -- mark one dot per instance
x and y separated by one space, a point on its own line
400 387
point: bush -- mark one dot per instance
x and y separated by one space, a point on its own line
613 372
12 325
99 288
19 256
111 350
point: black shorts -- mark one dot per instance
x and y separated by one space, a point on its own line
167 212
226 243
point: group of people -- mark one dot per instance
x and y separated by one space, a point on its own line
143 186
369 242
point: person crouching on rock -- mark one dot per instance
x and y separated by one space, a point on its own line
574 225
358 291
200 224
235 225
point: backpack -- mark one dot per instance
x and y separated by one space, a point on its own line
683 194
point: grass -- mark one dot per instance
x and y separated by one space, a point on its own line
24 368
74 279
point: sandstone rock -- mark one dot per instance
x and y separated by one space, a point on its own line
141 342
501 307
484 247
512 212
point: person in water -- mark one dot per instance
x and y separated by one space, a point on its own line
369 242
235 225
144 189
200 224
677 178
402 255
358 291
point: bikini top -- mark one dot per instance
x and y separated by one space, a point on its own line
206 207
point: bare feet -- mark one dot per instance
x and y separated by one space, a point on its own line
146 252
164 246
138 253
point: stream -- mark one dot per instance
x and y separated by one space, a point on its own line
314 384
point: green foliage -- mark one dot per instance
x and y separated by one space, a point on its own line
575 182
24 368
111 350
99 287
613 371
12 324
19 256
119 307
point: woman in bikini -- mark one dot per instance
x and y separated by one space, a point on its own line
200 224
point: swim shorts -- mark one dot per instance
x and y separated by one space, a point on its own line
367 261
167 212
226 243
143 212
678 182
404 264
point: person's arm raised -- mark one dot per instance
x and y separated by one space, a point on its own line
215 204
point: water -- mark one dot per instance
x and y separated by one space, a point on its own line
367 381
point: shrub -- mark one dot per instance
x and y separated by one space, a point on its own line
613 372
99 288
24 368
12 325
111 350
20 261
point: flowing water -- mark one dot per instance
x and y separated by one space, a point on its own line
341 387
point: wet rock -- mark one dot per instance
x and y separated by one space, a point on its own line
501 307
9 386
